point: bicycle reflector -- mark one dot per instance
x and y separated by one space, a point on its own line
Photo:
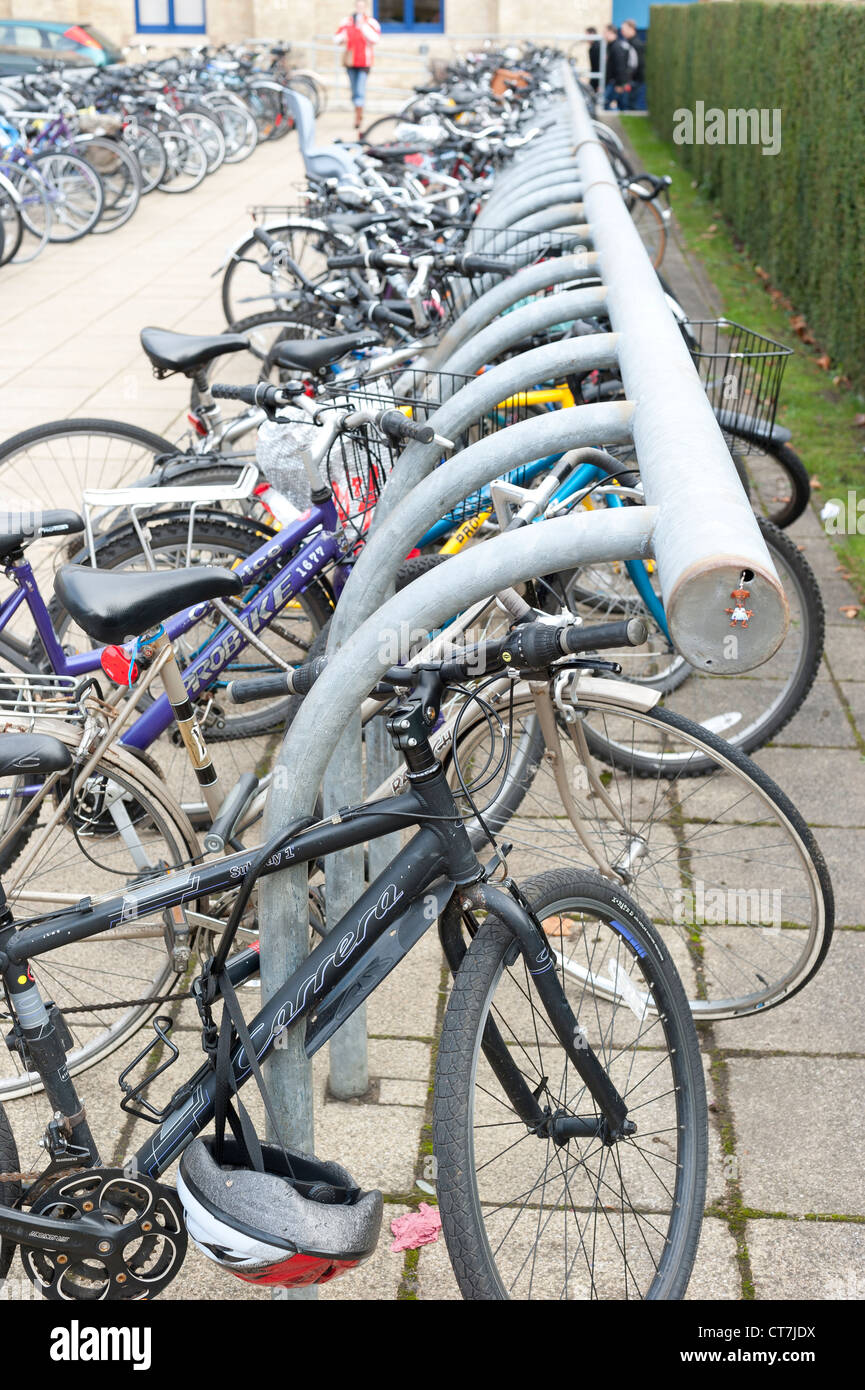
119 666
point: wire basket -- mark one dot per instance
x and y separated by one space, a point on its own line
360 460
309 207
39 697
741 372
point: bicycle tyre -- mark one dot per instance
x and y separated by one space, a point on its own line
734 807
152 804
10 1192
469 1202
51 166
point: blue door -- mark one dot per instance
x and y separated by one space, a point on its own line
170 17
411 16
638 11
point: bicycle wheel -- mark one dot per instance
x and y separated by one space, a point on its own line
526 1213
10 1190
131 828
248 740
246 290
778 481
11 223
722 862
120 174
238 128
185 162
75 193
265 106
50 466
150 153
31 197
749 708
206 131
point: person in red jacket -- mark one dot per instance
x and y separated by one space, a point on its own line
359 32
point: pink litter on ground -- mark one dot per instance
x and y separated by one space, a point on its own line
416 1228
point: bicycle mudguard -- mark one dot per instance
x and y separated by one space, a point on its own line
377 963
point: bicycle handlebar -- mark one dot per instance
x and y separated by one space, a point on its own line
261 394
531 646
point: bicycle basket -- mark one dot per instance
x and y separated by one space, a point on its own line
741 372
360 460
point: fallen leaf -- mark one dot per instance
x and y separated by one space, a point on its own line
562 926
849 610
825 361
859 420
763 274
816 485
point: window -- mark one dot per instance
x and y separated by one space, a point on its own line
170 16
410 16
20 36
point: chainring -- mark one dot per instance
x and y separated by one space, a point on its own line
148 1260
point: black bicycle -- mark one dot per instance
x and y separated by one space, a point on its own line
570 1120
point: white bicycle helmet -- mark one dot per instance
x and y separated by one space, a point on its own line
301 1221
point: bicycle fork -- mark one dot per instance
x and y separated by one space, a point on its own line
611 1124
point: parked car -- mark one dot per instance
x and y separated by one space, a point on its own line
25 43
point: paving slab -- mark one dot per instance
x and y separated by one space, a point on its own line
799 1130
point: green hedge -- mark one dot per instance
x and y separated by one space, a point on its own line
801 213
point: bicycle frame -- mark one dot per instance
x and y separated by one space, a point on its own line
318 528
388 919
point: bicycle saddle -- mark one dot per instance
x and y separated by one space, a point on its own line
112 605
20 753
311 354
23 528
186 352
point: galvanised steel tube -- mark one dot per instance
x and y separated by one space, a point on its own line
591 538
524 283
443 488
561 192
484 394
534 317
708 543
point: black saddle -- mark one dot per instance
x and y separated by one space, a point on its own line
312 354
23 528
111 605
186 352
36 753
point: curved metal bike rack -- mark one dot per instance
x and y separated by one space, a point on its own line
681 455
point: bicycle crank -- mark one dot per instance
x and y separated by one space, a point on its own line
125 1237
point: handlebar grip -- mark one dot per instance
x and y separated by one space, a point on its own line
399 426
381 314
630 632
261 393
297 682
349 260
484 265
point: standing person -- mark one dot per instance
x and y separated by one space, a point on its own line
638 89
594 58
359 32
622 64
611 72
